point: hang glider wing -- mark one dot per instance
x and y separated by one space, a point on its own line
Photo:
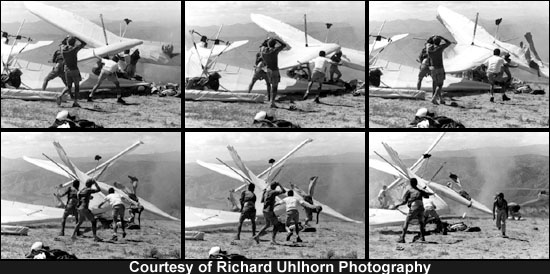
200 218
149 207
282 161
541 200
471 51
237 175
384 167
385 217
295 38
82 177
23 213
384 42
50 166
353 59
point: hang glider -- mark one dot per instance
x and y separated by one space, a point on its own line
95 36
16 213
475 45
245 175
68 169
303 47
384 217
10 50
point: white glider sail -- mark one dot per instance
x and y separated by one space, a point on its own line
16 213
201 218
385 217
69 170
245 175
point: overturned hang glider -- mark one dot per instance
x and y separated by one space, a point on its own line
475 45
70 170
242 173
385 217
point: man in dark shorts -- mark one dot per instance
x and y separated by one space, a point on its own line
424 63
268 198
57 71
260 74
270 56
72 204
435 53
501 207
84 213
248 209
413 198
72 74
308 197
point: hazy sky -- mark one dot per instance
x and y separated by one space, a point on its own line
207 13
81 144
158 11
427 10
406 142
264 145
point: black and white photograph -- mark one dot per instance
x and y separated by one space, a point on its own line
458 64
91 64
91 195
275 195
290 64
458 195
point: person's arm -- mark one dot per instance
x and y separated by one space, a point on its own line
130 201
82 43
307 205
404 200
494 205
101 204
97 188
65 193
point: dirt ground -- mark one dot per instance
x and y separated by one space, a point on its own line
472 110
528 239
141 112
333 240
156 239
335 111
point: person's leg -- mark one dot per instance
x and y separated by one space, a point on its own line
253 221
65 215
81 219
102 76
241 220
251 85
405 227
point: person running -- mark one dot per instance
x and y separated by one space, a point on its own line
57 70
248 209
413 198
260 74
501 207
494 67
320 65
72 74
84 213
435 53
72 204
292 214
108 71
117 203
268 198
270 56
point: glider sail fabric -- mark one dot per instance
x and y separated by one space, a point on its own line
22 213
201 218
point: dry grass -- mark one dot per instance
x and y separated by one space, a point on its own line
333 240
143 112
336 111
474 111
528 240
156 239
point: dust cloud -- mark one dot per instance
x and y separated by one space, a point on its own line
494 168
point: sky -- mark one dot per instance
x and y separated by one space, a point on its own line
202 13
407 142
80 144
263 145
159 11
426 10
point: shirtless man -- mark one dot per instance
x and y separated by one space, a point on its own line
84 213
